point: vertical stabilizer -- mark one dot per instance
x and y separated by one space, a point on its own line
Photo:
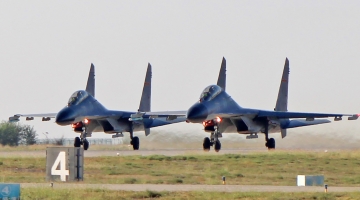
222 75
282 100
145 102
90 86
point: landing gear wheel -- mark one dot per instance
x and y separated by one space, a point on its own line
77 142
86 144
135 143
271 143
217 146
206 144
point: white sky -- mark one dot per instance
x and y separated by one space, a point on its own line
46 48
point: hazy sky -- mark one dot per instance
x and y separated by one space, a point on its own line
46 48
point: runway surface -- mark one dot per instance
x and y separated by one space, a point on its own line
166 152
178 188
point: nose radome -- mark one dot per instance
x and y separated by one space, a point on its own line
197 113
66 116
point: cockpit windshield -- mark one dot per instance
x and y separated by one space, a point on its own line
77 97
210 92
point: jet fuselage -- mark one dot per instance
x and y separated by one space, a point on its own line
207 110
86 109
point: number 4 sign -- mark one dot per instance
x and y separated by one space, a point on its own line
64 163
60 161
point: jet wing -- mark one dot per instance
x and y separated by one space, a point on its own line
169 115
44 116
278 114
166 113
134 116
309 116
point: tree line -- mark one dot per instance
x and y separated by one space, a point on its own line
14 134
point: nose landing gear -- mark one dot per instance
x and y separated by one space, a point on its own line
213 140
80 127
78 141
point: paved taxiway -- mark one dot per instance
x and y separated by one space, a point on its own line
177 188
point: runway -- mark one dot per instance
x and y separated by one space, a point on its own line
178 188
166 152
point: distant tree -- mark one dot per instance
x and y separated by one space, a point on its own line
13 134
27 135
9 133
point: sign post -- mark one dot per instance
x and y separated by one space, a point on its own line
64 163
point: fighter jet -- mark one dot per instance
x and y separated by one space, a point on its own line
87 115
219 114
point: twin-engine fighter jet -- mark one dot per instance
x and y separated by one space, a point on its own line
86 115
219 113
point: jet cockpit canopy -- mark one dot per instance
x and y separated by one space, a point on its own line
77 97
210 92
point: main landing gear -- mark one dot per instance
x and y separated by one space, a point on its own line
270 143
135 141
213 140
78 141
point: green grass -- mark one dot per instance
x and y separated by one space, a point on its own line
95 194
269 168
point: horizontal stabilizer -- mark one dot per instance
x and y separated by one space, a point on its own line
302 122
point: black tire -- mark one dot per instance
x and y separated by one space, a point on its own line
206 144
271 143
217 146
77 142
136 143
86 144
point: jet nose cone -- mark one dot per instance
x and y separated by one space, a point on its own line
66 116
197 113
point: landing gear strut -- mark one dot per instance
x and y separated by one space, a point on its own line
214 139
270 143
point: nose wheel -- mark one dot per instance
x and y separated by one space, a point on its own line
206 144
78 141
86 144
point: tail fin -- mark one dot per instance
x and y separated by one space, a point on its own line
90 86
282 100
222 75
145 102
